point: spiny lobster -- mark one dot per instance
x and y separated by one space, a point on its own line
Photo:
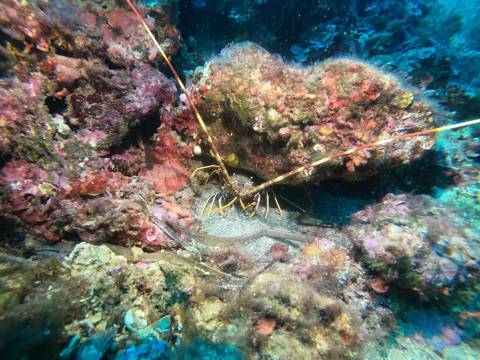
237 188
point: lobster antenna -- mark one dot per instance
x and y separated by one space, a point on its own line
190 100
295 171
353 150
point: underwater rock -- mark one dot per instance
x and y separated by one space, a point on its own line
150 349
122 292
87 260
101 206
37 300
460 155
269 117
84 28
96 346
96 208
113 101
418 243
105 301
147 294
24 117
292 306
90 297
82 157
76 137
74 102
167 178
25 195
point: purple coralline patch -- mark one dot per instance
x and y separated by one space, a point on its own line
151 89
113 100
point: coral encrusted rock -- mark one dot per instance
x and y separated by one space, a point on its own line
269 117
101 28
418 242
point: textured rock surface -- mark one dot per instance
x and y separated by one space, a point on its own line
418 242
84 28
80 105
269 117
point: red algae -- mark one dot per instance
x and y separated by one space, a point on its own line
168 177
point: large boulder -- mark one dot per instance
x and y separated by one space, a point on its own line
268 117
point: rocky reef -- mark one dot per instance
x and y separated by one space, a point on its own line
107 251
427 243
81 302
416 242
79 119
83 29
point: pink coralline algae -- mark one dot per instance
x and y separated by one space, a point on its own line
67 70
87 28
169 173
274 117
27 195
417 242
95 183
150 89
168 177
87 139
126 41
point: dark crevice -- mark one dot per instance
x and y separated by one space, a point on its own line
59 50
337 200
5 65
56 105
4 158
142 132
13 233
4 68
111 65
5 39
